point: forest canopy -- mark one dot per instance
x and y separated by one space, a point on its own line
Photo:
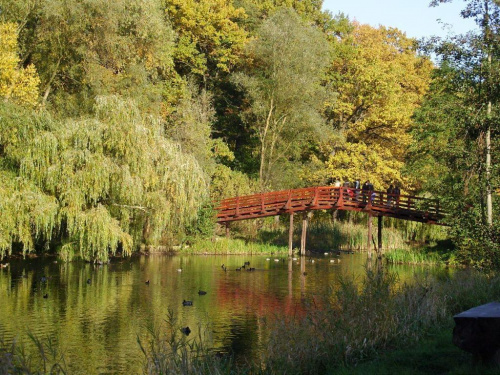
122 122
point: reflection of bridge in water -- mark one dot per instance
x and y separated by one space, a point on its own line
374 203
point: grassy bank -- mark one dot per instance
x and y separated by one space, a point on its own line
435 354
222 245
413 256
339 235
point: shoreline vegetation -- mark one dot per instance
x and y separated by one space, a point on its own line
401 245
364 326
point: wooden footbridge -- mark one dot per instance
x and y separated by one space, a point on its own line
374 203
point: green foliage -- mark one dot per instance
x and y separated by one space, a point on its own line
449 152
209 39
115 178
95 47
282 85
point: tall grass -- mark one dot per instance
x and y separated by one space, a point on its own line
222 245
45 359
169 351
413 256
338 235
358 323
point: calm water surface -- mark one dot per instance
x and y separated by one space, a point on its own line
97 324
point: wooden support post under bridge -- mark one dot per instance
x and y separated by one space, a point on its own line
290 236
379 235
369 242
303 238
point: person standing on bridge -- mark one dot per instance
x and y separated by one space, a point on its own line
396 192
365 189
390 195
357 186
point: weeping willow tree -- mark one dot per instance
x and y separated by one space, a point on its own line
95 184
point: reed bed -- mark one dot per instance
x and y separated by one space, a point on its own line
45 359
222 246
413 256
338 235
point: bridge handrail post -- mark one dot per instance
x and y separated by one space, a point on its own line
316 196
261 202
288 203
340 202
237 211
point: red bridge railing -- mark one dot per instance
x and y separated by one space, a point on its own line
378 203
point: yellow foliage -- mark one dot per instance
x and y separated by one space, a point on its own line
19 85
379 80
207 33
359 161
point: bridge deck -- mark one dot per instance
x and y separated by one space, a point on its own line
377 203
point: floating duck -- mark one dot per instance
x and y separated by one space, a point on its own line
45 296
146 282
247 263
201 292
187 303
238 269
186 331
89 281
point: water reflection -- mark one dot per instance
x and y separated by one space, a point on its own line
97 323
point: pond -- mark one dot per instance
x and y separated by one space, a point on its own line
97 312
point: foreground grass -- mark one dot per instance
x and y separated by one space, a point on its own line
434 354
45 359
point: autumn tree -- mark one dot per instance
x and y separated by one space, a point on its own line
209 38
376 80
87 48
16 83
